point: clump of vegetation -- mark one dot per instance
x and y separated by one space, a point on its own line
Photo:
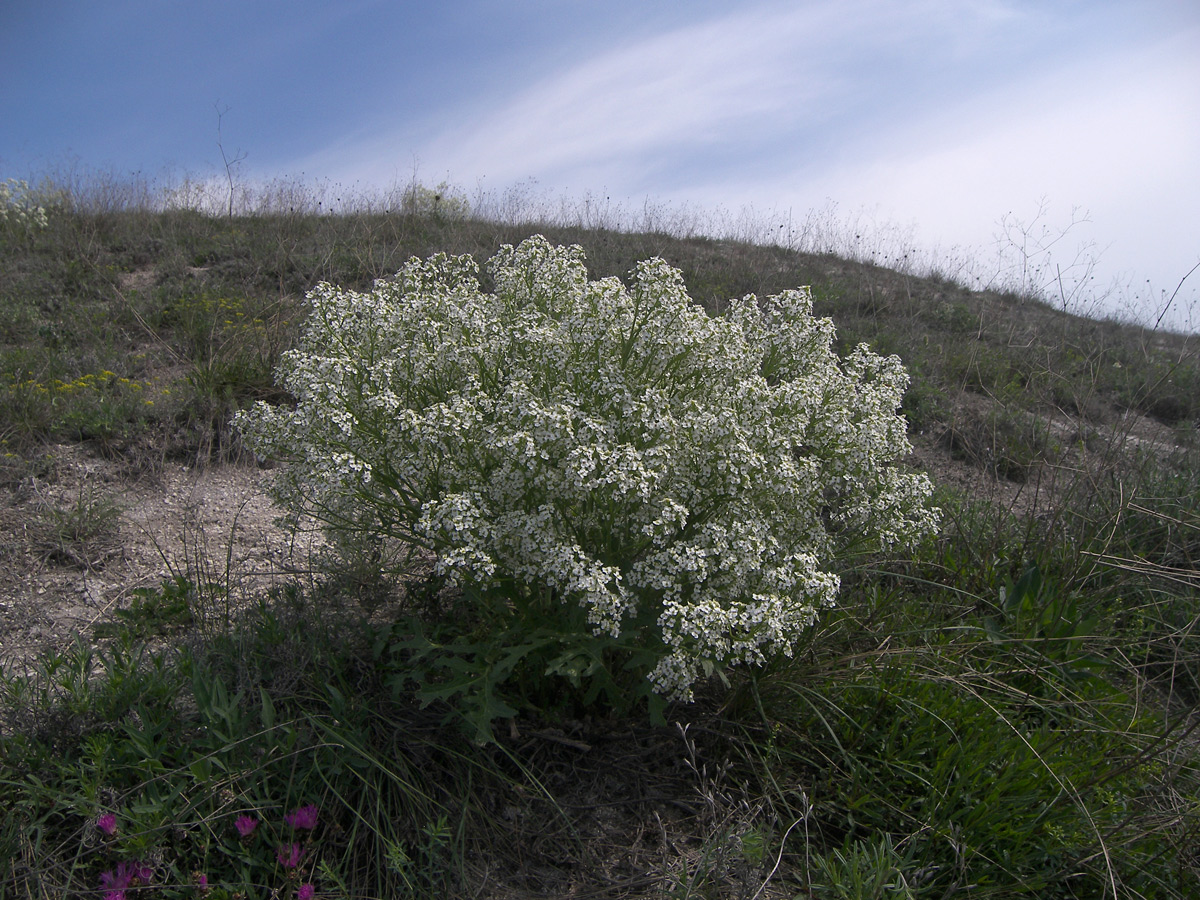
612 478
83 531
1004 709
23 209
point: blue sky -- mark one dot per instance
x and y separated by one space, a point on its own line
933 117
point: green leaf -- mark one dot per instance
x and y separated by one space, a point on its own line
268 709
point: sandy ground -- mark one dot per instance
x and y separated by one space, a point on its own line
59 580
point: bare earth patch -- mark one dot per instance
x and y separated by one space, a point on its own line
79 538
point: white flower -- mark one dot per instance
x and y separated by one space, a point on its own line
613 449
22 209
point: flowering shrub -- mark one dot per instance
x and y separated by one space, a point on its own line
441 202
21 211
582 451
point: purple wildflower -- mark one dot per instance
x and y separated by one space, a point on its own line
306 892
289 857
304 817
107 823
127 874
245 825
202 881
117 880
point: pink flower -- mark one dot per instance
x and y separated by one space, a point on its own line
202 881
289 857
107 823
304 817
245 825
127 874
306 892
117 880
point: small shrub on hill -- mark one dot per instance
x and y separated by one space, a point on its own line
23 210
617 481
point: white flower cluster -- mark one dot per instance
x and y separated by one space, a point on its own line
19 209
684 479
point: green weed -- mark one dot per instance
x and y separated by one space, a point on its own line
83 532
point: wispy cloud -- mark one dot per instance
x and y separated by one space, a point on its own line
1117 137
761 84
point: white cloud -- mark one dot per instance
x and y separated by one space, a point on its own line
758 83
1119 138
687 88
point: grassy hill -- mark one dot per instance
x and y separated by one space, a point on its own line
1009 712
